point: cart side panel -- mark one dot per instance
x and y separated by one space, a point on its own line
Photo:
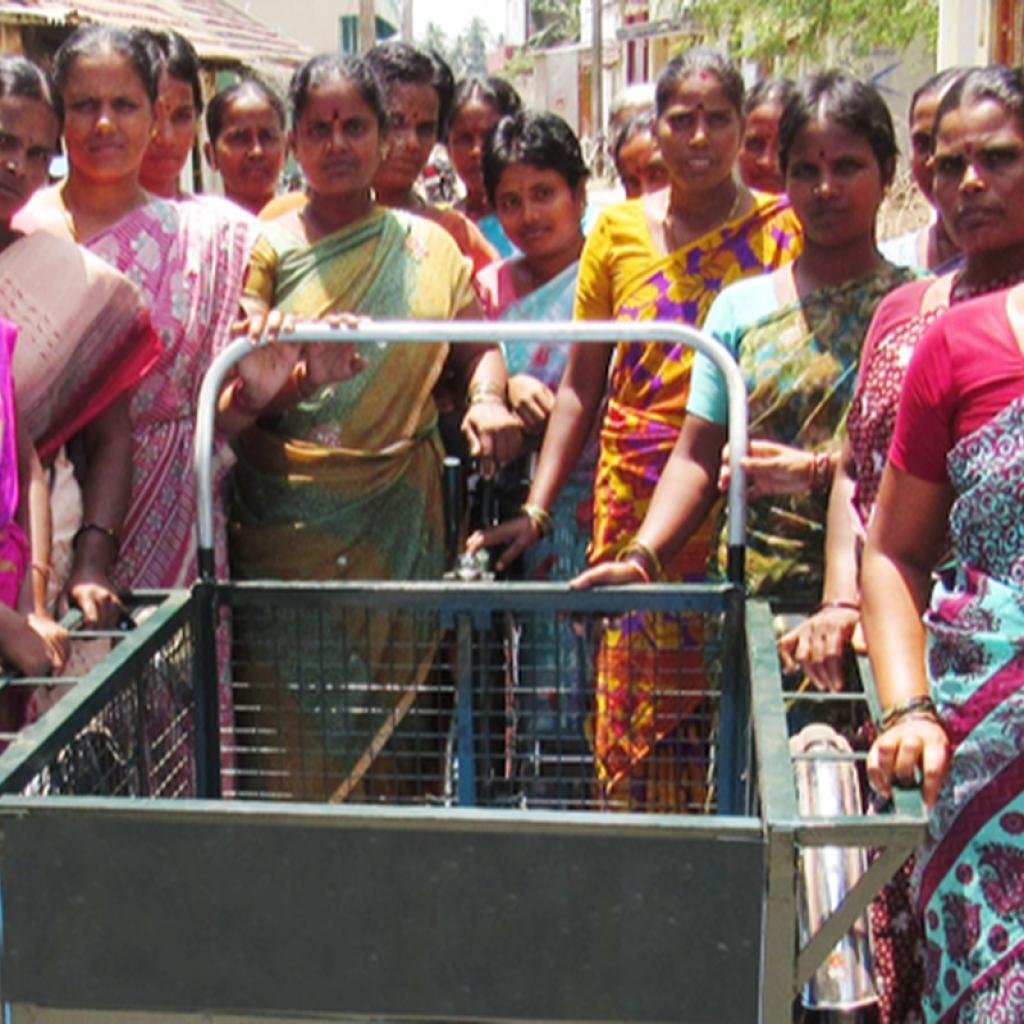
187 913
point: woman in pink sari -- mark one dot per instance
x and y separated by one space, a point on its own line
189 261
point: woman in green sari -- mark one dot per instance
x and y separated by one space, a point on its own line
341 479
797 334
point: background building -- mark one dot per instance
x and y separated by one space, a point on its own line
328 26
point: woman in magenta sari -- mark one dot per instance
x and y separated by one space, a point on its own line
950 685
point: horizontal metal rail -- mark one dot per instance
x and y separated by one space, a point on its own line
461 332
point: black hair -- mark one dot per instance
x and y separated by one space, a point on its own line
934 86
178 57
695 61
356 70
400 62
849 102
541 140
217 107
91 40
638 124
996 82
20 77
774 89
495 92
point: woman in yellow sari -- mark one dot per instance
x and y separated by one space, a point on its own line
663 256
341 479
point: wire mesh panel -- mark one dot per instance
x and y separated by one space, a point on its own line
126 726
497 696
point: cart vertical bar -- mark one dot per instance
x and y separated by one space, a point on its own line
465 752
734 713
204 680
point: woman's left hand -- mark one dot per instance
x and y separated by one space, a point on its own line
771 468
494 434
55 636
608 574
908 747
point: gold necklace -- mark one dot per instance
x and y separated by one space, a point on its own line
668 224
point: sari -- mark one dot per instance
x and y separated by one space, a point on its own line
490 227
552 700
79 347
187 259
14 553
347 485
650 673
800 362
969 874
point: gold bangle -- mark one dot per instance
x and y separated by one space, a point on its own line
540 517
46 571
647 553
299 375
497 392
639 560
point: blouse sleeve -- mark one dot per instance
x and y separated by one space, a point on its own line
925 427
594 281
709 397
261 277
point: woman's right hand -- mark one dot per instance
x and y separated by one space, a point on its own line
266 370
92 592
911 746
513 535
818 646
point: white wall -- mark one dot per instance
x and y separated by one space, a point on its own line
965 32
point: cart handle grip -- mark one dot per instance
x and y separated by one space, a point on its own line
461 332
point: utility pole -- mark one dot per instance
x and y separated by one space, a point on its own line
367 25
597 62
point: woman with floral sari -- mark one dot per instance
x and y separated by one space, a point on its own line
950 685
344 481
991 262
796 334
663 256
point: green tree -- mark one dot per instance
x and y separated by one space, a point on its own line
475 41
795 32
435 39
553 22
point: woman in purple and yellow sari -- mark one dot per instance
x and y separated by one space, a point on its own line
951 687
661 257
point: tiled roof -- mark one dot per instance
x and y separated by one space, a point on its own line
220 32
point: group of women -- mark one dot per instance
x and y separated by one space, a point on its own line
884 403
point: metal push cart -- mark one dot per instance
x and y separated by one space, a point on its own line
479 884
